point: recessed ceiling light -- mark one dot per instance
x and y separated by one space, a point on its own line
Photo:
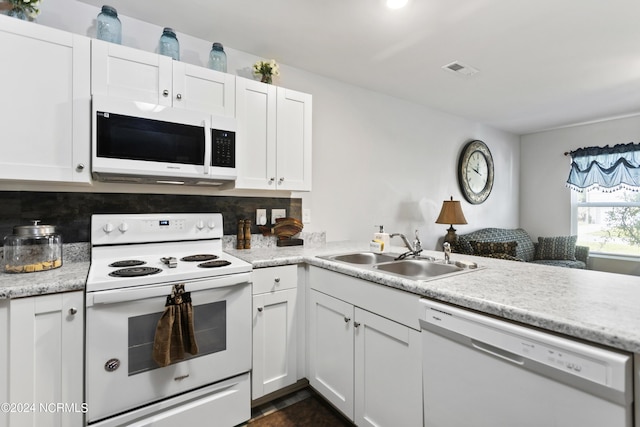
396 4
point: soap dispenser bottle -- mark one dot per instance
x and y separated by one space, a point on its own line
383 238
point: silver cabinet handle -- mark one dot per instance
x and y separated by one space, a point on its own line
281 180
179 96
271 180
73 311
356 324
347 319
165 93
277 280
80 167
260 309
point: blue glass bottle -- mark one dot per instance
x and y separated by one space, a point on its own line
217 58
109 26
169 45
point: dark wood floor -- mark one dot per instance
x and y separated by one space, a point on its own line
311 411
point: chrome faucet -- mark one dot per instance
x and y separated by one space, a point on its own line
447 252
414 249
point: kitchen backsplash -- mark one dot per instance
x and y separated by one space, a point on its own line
71 212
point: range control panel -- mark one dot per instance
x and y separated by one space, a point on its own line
147 228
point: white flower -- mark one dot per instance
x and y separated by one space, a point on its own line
266 68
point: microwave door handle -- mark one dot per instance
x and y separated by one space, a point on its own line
207 145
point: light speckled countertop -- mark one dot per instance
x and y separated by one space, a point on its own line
595 306
71 276
599 307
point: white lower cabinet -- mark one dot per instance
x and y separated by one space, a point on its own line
367 365
45 359
274 329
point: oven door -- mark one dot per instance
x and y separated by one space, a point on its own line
120 328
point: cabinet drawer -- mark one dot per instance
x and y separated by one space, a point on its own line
273 279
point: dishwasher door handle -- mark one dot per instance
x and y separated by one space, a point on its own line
497 352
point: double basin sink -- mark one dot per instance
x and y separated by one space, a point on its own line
416 268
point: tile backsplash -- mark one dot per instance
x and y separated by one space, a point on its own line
71 212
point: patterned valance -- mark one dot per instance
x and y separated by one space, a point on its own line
606 168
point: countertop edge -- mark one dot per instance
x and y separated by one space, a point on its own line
72 277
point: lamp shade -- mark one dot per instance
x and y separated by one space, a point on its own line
451 213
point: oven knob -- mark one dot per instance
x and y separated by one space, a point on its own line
108 228
123 227
199 224
112 365
211 224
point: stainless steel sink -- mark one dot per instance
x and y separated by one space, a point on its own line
361 258
417 269
420 268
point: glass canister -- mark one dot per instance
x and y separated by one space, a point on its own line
32 248
109 26
169 45
217 58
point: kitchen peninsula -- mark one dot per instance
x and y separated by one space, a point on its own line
595 307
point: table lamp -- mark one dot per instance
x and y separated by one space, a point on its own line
451 213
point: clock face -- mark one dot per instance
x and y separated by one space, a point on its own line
475 172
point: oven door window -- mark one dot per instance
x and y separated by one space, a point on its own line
210 325
135 138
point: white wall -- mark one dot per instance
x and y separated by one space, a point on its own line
376 159
545 201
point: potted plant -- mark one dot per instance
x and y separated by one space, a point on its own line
266 69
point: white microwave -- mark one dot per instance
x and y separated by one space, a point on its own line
147 143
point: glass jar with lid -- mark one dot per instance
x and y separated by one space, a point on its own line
109 26
169 45
32 248
217 58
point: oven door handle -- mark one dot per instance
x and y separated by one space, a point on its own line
115 296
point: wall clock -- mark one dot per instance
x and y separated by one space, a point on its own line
475 172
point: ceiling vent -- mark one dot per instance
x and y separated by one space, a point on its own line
460 68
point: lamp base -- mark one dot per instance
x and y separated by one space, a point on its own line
451 237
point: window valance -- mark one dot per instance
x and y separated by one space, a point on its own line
606 168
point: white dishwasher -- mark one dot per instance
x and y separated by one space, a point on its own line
479 371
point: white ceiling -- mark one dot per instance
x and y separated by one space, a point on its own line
543 64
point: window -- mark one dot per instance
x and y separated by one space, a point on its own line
607 218
608 222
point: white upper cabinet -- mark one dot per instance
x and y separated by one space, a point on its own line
124 72
274 137
45 112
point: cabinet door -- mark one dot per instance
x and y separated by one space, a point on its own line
331 350
202 89
256 137
293 140
44 107
274 341
129 73
388 372
46 358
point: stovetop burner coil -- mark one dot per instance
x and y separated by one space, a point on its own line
199 258
214 264
135 272
127 263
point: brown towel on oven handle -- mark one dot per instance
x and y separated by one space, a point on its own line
175 330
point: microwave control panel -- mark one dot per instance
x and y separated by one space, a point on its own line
224 148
